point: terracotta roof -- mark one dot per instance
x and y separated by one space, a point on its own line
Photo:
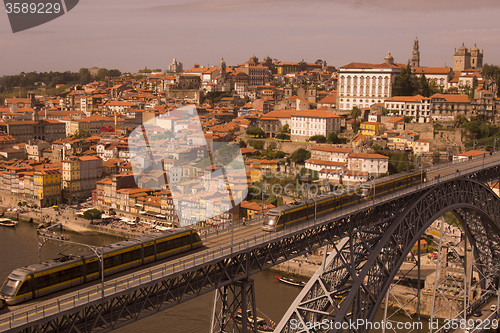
319 113
432 70
472 153
362 65
368 156
395 120
333 149
416 98
326 163
452 98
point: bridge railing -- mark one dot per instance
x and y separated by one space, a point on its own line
190 262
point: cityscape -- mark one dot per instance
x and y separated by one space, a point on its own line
378 181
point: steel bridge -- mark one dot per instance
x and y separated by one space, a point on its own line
372 240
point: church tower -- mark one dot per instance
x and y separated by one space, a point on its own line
222 66
476 57
35 116
415 56
461 59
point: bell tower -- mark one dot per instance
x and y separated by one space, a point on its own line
415 56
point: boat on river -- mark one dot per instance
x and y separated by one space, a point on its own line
263 325
291 281
7 222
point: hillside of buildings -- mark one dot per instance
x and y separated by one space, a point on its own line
64 137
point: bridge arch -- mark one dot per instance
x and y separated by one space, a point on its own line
477 208
354 279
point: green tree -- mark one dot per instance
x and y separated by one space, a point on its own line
405 84
492 72
286 129
85 76
408 119
355 113
92 214
257 144
423 86
333 138
300 155
256 131
283 136
242 143
318 138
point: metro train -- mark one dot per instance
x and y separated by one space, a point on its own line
40 279
282 216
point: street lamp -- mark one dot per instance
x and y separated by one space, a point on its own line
98 251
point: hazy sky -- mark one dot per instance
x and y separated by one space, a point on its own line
129 35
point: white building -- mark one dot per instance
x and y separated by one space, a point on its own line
363 84
331 154
313 122
418 107
315 164
440 75
373 164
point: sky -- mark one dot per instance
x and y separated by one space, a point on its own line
131 35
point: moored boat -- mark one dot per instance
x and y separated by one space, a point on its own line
263 325
7 222
291 281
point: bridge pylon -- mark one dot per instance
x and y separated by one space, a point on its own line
233 306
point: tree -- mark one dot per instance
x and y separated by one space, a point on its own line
256 131
242 143
318 138
405 84
257 144
92 214
272 145
424 88
355 113
300 155
334 138
492 72
85 76
286 129
408 119
283 136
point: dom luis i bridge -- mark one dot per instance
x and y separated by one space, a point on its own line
372 245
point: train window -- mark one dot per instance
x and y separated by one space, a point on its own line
43 281
108 262
135 255
9 287
149 250
93 267
64 275
76 272
126 257
25 287
270 220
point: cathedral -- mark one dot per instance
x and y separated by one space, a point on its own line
464 59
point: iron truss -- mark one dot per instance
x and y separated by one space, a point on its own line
353 283
358 276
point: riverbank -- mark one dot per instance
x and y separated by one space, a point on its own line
302 267
83 227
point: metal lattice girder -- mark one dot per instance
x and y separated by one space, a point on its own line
235 299
364 267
